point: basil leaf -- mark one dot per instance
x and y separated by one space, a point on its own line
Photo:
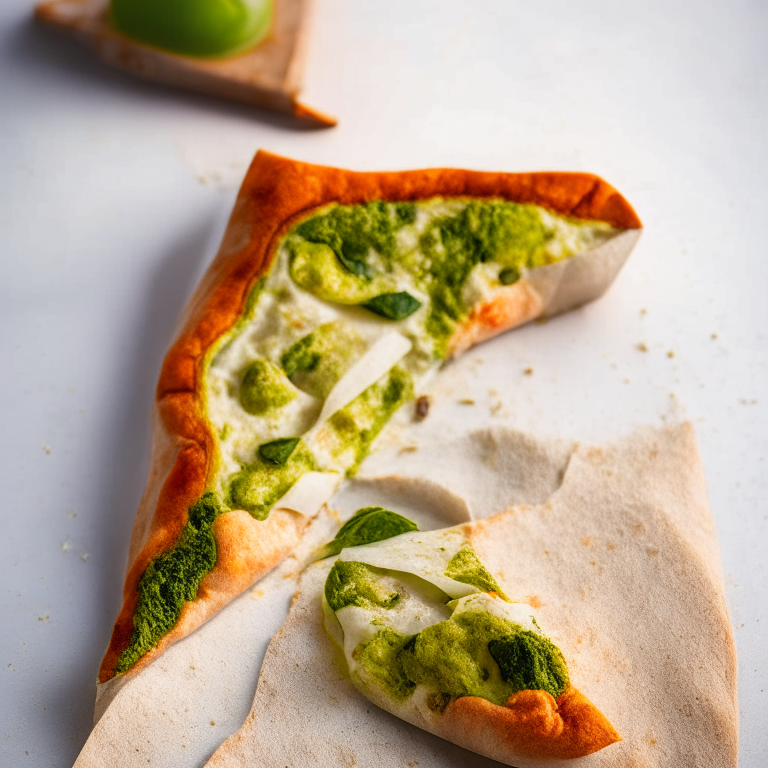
355 266
394 306
509 275
366 526
279 451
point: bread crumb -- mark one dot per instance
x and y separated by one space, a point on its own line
466 401
408 449
43 618
626 381
642 347
72 514
212 722
47 448
643 312
422 407
670 353
713 336
528 371
84 557
65 546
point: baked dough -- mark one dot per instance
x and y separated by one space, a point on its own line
276 195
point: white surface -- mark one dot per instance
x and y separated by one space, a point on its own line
113 192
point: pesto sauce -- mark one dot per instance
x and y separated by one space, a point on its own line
353 583
353 428
465 566
352 231
264 389
364 241
171 579
259 485
472 654
317 361
379 657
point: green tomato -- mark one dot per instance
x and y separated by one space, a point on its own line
194 27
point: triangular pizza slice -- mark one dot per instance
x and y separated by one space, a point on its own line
428 635
334 297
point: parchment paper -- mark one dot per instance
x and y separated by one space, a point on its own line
616 548
623 566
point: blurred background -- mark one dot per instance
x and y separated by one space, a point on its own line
114 193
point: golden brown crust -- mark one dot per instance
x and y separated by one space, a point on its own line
276 193
531 724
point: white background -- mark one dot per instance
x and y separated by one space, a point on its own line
113 193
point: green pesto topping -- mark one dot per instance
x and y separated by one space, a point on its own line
259 485
379 657
263 388
279 451
172 579
356 426
393 306
206 28
510 234
356 254
454 657
352 583
529 661
315 268
471 654
317 361
366 526
465 566
509 275
352 232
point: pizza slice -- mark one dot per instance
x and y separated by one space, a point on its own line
428 634
333 299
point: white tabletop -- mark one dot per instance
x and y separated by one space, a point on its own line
113 193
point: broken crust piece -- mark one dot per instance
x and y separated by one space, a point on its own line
530 724
275 195
268 75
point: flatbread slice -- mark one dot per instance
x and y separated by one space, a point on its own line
428 634
334 297
622 567
266 75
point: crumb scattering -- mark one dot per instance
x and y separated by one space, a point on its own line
422 407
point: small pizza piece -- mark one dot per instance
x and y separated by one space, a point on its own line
334 297
429 635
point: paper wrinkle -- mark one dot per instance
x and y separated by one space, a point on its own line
539 478
431 486
623 560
